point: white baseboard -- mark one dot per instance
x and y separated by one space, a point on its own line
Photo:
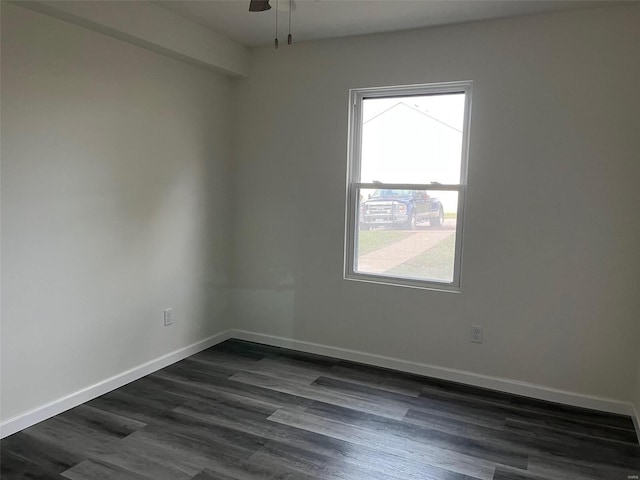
494 383
31 417
636 420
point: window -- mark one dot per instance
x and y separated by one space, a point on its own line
406 184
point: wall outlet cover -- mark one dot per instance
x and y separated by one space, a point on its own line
168 317
476 333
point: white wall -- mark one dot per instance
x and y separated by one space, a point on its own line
115 205
149 25
117 202
636 401
551 256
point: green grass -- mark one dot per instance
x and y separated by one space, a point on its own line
372 240
434 264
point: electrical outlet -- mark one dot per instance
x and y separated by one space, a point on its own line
168 317
476 333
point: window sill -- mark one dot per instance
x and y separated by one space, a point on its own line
403 282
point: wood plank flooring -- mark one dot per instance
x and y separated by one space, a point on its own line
243 411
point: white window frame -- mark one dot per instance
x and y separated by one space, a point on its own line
356 98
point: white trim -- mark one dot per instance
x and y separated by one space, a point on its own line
494 383
354 182
31 417
27 419
636 420
436 187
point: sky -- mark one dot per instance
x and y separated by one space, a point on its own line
400 146
446 108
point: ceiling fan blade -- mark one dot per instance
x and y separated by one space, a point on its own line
259 5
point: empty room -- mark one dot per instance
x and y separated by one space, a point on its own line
320 240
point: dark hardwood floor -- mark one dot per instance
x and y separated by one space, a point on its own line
246 411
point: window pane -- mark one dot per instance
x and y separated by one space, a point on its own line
413 139
407 233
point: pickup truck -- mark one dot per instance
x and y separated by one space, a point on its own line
400 209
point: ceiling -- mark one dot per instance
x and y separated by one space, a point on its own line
320 19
